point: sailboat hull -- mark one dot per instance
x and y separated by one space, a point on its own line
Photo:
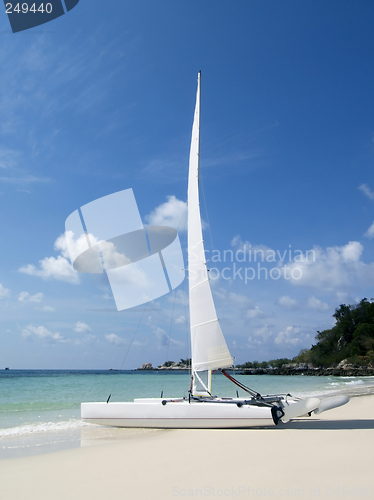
178 414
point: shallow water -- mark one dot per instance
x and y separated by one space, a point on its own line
40 409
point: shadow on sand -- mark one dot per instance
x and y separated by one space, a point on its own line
327 424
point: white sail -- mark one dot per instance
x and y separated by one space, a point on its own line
208 346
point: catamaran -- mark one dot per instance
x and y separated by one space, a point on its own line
209 352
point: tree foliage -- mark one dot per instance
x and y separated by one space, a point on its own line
351 338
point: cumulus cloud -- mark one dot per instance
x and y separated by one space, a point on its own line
314 303
4 292
59 267
255 312
172 213
65 240
253 252
286 301
232 299
331 268
295 336
26 297
47 309
180 319
163 340
51 267
41 332
260 337
81 327
114 339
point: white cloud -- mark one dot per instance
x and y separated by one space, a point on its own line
161 336
163 339
238 299
295 336
26 297
114 339
41 332
51 267
260 336
61 244
181 319
255 253
286 301
290 335
4 292
172 213
264 332
367 191
71 246
331 268
255 313
352 251
47 309
81 327
370 232
233 299
314 303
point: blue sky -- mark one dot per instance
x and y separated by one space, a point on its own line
102 99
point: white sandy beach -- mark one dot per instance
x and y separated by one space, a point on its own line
326 456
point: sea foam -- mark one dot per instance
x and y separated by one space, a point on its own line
42 427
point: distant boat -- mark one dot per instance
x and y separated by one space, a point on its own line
7 368
201 409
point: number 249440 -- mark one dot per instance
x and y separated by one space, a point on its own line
23 8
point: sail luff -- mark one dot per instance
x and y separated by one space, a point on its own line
208 347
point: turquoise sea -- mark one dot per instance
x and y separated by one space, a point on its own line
40 409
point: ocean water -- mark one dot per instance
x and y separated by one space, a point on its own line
40 409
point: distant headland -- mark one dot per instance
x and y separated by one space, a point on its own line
183 364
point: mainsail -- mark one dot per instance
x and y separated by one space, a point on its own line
209 350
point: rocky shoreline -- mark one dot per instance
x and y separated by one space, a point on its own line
342 370
170 365
360 371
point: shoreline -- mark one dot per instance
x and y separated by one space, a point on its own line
305 458
362 371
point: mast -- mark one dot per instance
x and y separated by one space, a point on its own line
208 346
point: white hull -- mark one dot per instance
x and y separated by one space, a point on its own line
180 414
217 414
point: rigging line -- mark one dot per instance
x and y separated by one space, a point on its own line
242 386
